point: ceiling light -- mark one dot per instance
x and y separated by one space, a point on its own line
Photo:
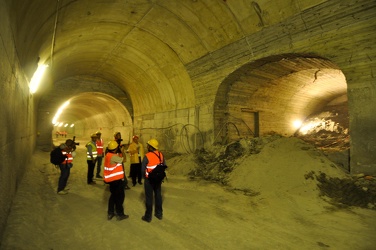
59 111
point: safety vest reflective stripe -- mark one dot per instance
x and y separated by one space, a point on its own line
153 162
112 172
99 145
69 155
93 151
149 169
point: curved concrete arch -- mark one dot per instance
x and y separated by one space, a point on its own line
273 92
93 111
95 103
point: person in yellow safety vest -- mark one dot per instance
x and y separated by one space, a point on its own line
150 161
65 166
100 154
113 174
121 151
136 152
91 157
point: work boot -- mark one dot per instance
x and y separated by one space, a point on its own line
160 217
98 176
110 216
144 219
122 217
62 192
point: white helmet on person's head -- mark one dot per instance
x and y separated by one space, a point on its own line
154 143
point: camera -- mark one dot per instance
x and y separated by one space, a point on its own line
75 143
71 143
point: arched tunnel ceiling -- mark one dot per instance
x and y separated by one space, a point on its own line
91 104
143 46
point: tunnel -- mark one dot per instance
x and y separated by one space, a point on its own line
191 74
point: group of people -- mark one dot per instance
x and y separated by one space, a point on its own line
113 158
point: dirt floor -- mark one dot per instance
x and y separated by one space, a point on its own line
265 193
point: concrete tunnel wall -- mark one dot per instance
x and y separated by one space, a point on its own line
326 38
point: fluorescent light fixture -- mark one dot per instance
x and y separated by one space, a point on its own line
72 125
37 77
66 125
59 111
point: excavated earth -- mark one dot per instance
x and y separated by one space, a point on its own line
352 190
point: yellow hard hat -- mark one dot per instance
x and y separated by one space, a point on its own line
154 143
112 145
98 133
93 135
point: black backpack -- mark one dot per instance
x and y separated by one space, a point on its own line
159 172
57 157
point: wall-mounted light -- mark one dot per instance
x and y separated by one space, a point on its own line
37 77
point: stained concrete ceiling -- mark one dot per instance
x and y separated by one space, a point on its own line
143 47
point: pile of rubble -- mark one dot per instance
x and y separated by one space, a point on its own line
217 164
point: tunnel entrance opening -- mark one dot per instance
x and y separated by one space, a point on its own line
90 112
266 96
95 104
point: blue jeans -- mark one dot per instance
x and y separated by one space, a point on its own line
64 175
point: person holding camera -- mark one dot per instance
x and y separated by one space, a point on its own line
91 158
67 149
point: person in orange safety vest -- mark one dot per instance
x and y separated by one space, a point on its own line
150 161
65 166
113 174
121 152
100 154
